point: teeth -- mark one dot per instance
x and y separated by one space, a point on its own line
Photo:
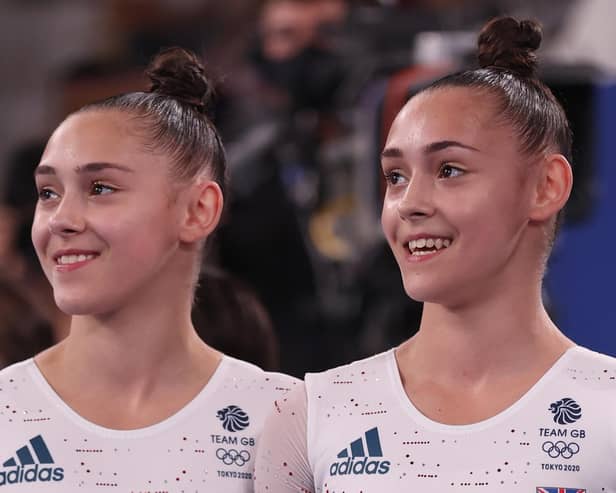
72 259
423 252
433 243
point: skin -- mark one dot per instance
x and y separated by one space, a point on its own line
289 26
454 170
132 357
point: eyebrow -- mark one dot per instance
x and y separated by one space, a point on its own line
429 149
444 144
44 169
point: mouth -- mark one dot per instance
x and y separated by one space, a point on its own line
68 258
73 259
428 245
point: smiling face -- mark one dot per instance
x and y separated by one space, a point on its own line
456 209
108 218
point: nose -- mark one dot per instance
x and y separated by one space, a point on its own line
417 201
68 218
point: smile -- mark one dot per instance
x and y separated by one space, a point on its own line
426 246
73 259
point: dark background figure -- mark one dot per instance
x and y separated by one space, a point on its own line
228 315
31 321
276 127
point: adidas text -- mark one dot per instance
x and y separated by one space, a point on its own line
359 465
31 474
364 455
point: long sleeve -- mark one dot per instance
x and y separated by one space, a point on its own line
281 464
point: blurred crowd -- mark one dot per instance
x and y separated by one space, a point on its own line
300 278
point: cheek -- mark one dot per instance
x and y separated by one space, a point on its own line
140 239
492 226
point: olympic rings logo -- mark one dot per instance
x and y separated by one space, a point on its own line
560 449
232 456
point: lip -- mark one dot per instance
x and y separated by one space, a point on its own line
74 266
409 257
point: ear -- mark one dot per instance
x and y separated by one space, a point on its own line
203 211
553 187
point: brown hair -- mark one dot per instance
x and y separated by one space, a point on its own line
174 115
229 316
508 71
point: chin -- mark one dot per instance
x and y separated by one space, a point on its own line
73 308
447 296
77 305
417 293
426 291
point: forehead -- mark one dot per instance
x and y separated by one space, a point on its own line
94 136
451 113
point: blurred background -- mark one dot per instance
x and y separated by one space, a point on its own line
301 278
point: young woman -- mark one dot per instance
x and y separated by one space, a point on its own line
489 395
132 400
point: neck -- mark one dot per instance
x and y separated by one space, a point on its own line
144 353
504 333
150 339
113 348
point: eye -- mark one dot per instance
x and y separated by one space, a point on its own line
448 170
99 188
45 194
393 178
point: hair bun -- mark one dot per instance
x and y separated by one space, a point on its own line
178 73
507 43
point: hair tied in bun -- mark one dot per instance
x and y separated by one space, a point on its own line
178 74
509 44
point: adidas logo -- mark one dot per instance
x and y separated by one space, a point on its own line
357 461
27 468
